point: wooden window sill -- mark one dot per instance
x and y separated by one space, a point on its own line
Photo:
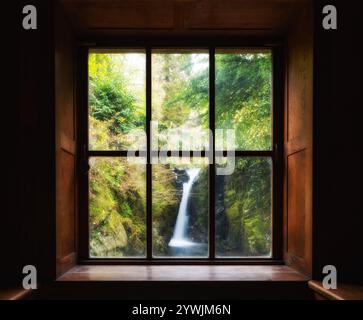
170 282
344 291
137 273
14 293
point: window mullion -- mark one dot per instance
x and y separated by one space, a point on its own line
212 149
148 165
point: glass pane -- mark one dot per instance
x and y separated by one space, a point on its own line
180 208
244 209
180 99
117 208
117 91
244 97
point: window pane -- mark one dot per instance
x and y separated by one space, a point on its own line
117 208
244 209
244 97
117 93
180 208
180 91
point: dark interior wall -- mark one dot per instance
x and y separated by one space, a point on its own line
338 143
9 207
27 226
28 220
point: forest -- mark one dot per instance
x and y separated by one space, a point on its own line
180 99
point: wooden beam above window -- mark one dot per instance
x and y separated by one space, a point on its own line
183 16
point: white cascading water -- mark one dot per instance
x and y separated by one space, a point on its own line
179 238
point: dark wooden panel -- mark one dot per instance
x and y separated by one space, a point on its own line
232 14
296 168
88 15
343 291
300 62
65 205
66 262
298 144
14 293
64 79
319 297
180 15
65 145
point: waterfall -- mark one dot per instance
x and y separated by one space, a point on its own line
179 238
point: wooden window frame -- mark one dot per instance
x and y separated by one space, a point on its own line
276 154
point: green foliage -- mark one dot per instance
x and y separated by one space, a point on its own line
117 208
247 207
110 103
180 97
164 207
172 76
114 108
199 208
243 98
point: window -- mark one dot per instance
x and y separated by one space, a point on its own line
180 147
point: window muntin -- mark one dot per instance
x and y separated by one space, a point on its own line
203 110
